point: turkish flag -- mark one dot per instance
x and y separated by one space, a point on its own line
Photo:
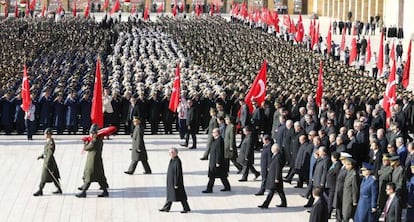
368 56
343 39
175 95
107 131
311 28
59 9
160 8
16 10
96 111
212 9
353 54
32 5
258 90
43 10
301 31
182 7
315 39
276 22
329 39
146 13
86 12
319 88
115 7
174 10
74 9
26 100
390 91
406 75
380 63
6 10
133 9
286 21
106 5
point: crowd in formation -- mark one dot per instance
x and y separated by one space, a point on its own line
218 60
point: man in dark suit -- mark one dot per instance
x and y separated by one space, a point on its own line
319 212
211 125
331 176
217 167
375 157
175 183
243 118
133 110
393 209
138 152
265 160
246 155
191 123
274 181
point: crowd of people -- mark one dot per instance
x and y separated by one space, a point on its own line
218 60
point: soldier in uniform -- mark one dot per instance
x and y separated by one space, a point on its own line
351 190
398 177
368 194
138 152
384 177
339 187
94 170
50 171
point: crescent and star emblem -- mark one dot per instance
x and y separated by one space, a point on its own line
262 88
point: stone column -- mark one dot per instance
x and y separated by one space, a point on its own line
290 7
270 5
167 6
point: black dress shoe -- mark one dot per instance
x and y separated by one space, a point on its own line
183 144
38 193
262 206
81 195
80 188
104 194
225 189
242 180
260 193
307 205
281 205
57 191
127 172
256 176
193 147
147 172
207 191
164 210
203 158
184 211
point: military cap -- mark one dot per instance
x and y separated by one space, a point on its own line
94 129
395 158
352 161
345 155
367 166
386 156
48 131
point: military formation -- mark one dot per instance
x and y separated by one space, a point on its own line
324 145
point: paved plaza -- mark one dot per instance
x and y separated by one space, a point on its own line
131 198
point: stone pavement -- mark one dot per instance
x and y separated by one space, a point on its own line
131 198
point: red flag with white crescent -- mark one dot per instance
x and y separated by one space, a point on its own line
390 95
175 95
115 7
353 54
146 13
106 5
406 75
96 111
343 41
26 100
319 88
380 63
258 89
368 56
86 12
16 10
329 39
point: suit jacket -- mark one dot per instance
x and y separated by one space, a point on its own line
377 162
275 173
265 158
339 188
319 212
332 174
320 171
191 118
394 211
244 118
246 154
217 157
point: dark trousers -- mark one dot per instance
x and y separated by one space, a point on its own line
102 184
134 163
270 195
292 173
374 72
167 205
223 179
182 128
154 126
235 163
331 194
263 184
246 168
193 137
30 128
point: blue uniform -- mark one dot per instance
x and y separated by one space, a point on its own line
410 209
368 195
